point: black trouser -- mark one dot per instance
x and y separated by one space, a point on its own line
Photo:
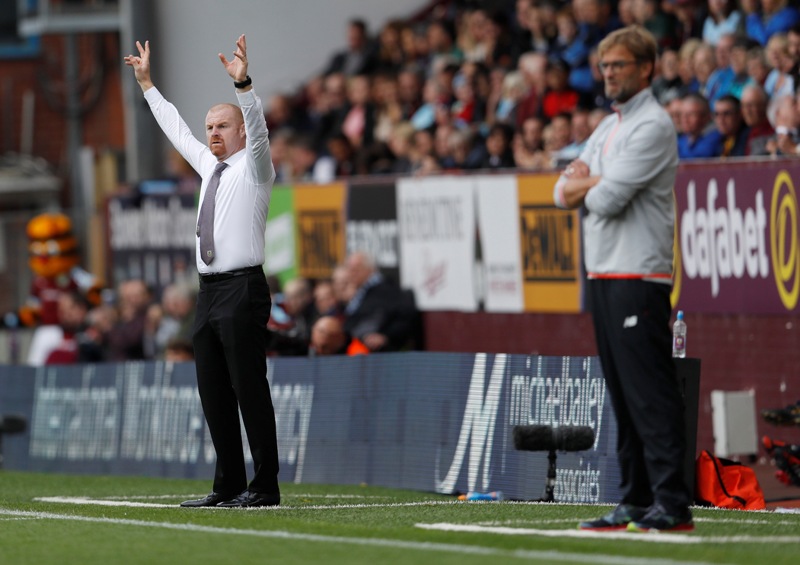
631 321
230 343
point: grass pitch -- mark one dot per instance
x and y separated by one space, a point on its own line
89 520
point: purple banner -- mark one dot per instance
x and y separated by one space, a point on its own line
737 232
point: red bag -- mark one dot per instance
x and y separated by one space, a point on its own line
726 484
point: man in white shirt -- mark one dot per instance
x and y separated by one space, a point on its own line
233 304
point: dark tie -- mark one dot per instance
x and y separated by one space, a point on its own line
205 224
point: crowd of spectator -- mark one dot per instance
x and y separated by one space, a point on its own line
357 311
514 84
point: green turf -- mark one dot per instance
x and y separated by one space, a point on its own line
343 524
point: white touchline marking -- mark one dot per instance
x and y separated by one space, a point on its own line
545 556
622 535
133 504
200 495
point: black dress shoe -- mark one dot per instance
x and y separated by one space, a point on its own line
212 499
252 499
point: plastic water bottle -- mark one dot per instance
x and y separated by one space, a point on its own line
481 496
679 337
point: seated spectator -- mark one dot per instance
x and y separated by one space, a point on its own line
459 143
721 79
668 84
780 81
723 18
306 164
179 350
126 338
72 310
675 110
663 26
359 57
325 300
379 314
740 77
732 129
502 105
699 138
441 42
433 96
704 65
757 66
172 318
754 113
292 338
497 153
328 337
557 137
559 96
568 45
580 130
93 341
532 65
787 129
765 18
342 156
358 122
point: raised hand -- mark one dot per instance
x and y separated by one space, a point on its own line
237 68
141 65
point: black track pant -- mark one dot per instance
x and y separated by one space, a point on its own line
631 320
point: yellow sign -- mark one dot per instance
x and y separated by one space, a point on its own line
550 246
320 228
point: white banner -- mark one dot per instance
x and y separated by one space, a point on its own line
498 223
437 241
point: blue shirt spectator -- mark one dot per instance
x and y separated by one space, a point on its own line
763 26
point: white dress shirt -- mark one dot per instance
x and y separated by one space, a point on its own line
242 202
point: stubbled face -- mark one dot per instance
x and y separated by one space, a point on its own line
630 78
225 132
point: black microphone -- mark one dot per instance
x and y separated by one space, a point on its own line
547 438
12 424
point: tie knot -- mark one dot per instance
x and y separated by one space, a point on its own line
219 168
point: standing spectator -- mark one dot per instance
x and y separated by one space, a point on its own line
624 180
230 333
699 138
723 19
754 112
732 129
768 17
359 57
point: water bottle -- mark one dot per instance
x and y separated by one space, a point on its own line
679 337
481 496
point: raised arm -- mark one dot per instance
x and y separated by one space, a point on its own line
141 66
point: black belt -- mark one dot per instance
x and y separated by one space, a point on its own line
224 276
